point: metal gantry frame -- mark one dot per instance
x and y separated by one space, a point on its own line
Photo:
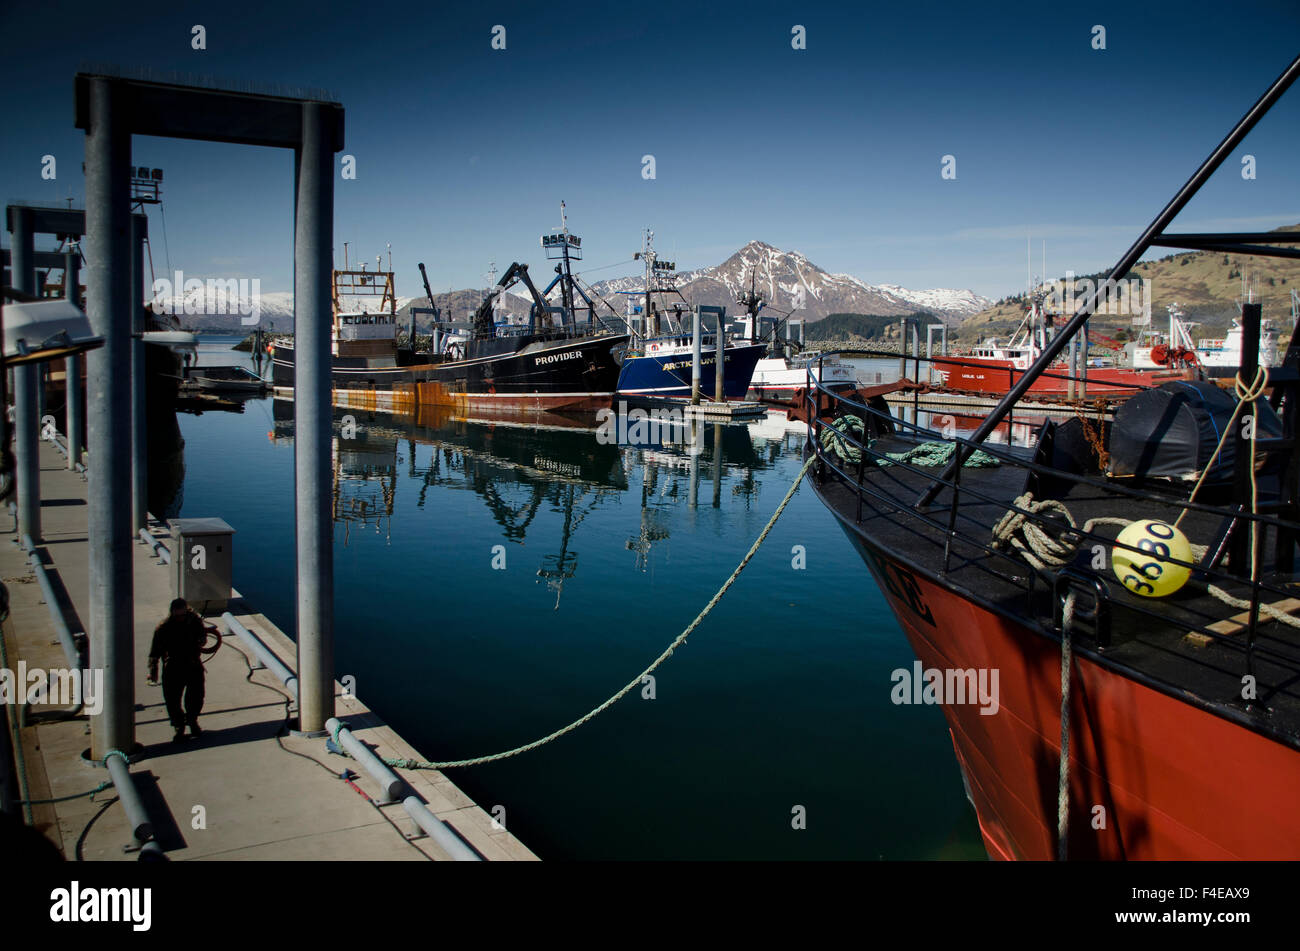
111 109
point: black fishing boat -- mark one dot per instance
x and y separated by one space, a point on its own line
552 361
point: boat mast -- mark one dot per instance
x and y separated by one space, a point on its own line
647 252
566 248
566 285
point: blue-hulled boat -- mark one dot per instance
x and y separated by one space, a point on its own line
659 363
664 367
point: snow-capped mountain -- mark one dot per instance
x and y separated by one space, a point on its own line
940 300
788 280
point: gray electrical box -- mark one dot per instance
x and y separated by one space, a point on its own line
202 562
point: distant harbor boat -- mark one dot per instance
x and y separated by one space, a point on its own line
665 368
788 367
661 364
554 362
1217 357
993 367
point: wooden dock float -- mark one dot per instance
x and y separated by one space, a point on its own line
707 411
238 791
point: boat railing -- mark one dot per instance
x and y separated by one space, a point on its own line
877 482
1118 389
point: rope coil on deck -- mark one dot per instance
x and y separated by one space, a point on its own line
1019 530
1038 546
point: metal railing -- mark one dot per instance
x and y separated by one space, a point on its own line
885 492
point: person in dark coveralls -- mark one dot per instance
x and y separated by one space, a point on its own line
178 642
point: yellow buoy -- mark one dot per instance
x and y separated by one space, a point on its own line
1148 571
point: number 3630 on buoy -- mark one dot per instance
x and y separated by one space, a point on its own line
1148 570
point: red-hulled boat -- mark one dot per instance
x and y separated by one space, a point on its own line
994 368
1132 715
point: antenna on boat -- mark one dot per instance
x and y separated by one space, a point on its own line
565 248
390 255
1029 268
345 255
647 254
753 302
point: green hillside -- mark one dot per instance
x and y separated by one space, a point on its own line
860 329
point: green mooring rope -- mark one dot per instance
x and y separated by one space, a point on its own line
835 439
81 795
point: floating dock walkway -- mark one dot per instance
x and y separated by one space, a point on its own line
245 789
966 404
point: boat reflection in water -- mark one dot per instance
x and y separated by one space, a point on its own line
520 463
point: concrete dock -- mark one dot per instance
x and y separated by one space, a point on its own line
247 788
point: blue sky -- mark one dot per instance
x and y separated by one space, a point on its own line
463 153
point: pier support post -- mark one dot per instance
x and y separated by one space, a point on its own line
1083 364
108 416
26 387
312 260
902 349
1240 556
1072 386
719 385
717 465
73 423
695 360
139 435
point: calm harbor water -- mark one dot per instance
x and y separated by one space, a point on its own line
780 700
